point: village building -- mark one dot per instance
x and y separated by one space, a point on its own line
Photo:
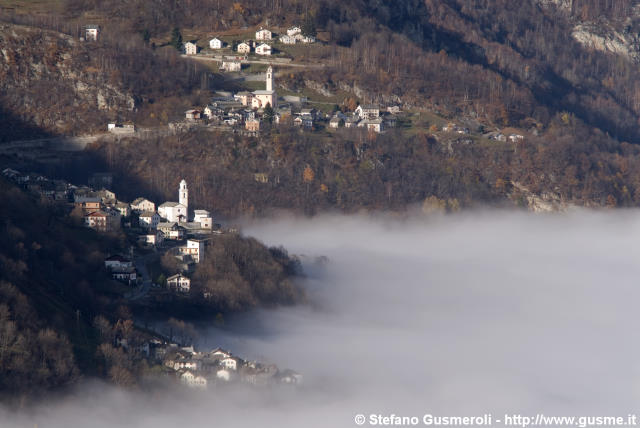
243 48
263 49
117 261
194 248
367 112
223 374
268 96
292 31
126 275
372 125
193 381
192 115
171 230
204 218
119 128
263 34
179 282
102 221
393 109
91 32
290 377
106 196
244 97
305 121
219 353
153 239
336 122
288 39
123 208
231 66
230 363
252 125
216 43
149 219
142 204
190 48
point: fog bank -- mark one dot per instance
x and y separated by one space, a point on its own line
487 312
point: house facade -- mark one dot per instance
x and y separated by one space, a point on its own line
190 48
263 34
179 283
215 43
243 48
263 49
142 204
173 212
149 219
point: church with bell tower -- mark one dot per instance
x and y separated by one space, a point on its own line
267 96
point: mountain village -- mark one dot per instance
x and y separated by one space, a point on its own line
170 228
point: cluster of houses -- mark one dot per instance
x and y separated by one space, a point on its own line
103 212
259 46
202 369
248 109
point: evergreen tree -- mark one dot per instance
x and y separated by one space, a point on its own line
176 39
268 113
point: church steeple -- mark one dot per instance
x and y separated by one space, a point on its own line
183 194
270 82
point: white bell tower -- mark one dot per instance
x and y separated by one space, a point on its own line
270 79
183 194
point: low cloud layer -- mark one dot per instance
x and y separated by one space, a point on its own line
478 313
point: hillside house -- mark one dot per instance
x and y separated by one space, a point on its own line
117 262
219 353
102 221
367 112
351 122
216 43
123 208
244 97
336 122
190 48
231 66
193 115
288 40
263 49
243 48
204 218
151 239
142 204
263 34
120 129
126 275
252 125
292 31
372 125
194 248
149 219
91 32
171 230
306 122
223 374
230 363
193 381
179 282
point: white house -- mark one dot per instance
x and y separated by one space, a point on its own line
123 208
230 363
190 48
263 34
204 218
192 380
171 230
192 114
219 353
179 283
117 262
288 40
223 374
194 248
91 32
374 125
215 43
367 112
243 48
292 31
263 49
231 66
173 212
149 219
142 204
